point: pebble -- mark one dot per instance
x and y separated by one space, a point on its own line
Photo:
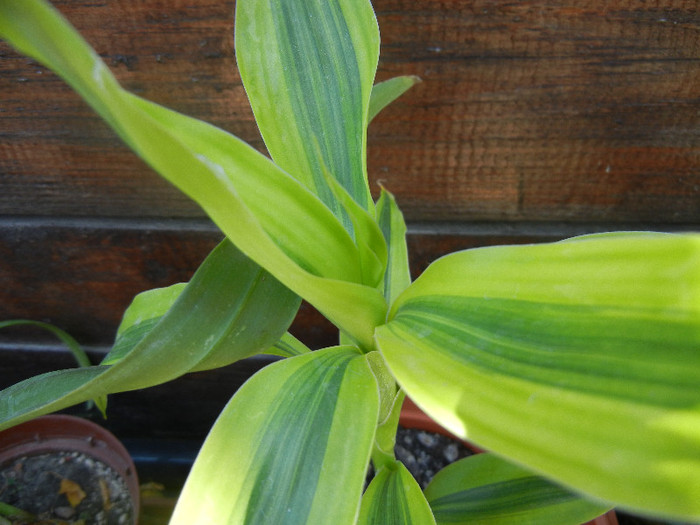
64 512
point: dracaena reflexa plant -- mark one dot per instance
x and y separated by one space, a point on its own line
576 363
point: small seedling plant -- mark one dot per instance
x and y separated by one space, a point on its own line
576 364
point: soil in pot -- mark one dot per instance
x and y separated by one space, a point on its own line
65 487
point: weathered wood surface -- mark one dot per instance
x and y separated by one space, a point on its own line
544 110
527 110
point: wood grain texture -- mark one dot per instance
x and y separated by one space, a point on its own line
527 110
83 277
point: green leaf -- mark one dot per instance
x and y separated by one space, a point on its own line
151 304
486 490
393 226
372 249
310 88
578 359
13 512
385 436
288 346
384 93
143 314
298 240
291 447
231 309
385 383
394 498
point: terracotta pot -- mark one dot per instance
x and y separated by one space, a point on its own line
56 433
414 417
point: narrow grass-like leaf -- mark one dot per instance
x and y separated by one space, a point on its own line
486 490
310 88
580 359
291 447
231 309
67 339
393 227
298 240
394 498
384 93
72 345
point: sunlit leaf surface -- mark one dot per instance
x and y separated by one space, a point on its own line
291 447
580 359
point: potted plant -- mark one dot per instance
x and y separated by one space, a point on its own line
574 363
61 467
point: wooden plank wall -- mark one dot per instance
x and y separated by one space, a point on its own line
534 121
